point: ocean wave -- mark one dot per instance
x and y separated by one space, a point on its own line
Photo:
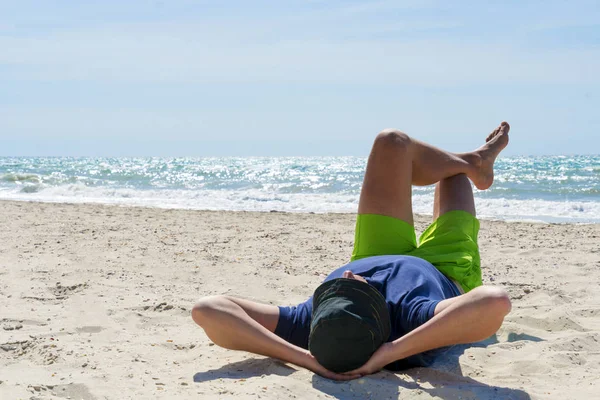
11 177
30 189
533 188
259 200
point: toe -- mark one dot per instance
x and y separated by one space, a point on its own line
491 135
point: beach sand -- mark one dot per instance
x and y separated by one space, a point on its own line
96 305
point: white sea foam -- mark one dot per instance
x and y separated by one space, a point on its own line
526 188
264 200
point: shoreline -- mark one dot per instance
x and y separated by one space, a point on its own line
417 215
97 299
530 189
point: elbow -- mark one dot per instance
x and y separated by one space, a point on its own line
205 309
493 304
494 301
499 302
497 305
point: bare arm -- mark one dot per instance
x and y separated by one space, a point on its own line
469 318
238 324
464 319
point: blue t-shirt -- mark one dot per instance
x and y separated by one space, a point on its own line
411 286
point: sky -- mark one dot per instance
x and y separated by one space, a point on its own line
295 77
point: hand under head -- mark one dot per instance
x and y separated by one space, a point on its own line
350 320
349 275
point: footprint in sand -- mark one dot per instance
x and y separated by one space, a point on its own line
161 307
70 391
11 325
63 291
19 348
60 292
549 323
89 329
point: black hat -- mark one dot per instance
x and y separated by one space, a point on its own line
350 320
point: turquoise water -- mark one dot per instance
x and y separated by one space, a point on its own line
552 188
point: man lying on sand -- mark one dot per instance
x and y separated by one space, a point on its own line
396 301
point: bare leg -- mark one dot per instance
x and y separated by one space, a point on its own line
454 193
397 162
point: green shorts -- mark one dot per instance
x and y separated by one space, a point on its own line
450 243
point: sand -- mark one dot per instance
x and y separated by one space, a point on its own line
96 303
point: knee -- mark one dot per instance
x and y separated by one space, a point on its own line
496 300
392 138
204 308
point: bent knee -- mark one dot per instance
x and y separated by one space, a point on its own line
496 299
392 138
204 308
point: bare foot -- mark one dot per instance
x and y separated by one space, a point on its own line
486 156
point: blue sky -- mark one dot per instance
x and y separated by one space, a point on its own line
201 78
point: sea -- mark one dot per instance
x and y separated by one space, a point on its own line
551 189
